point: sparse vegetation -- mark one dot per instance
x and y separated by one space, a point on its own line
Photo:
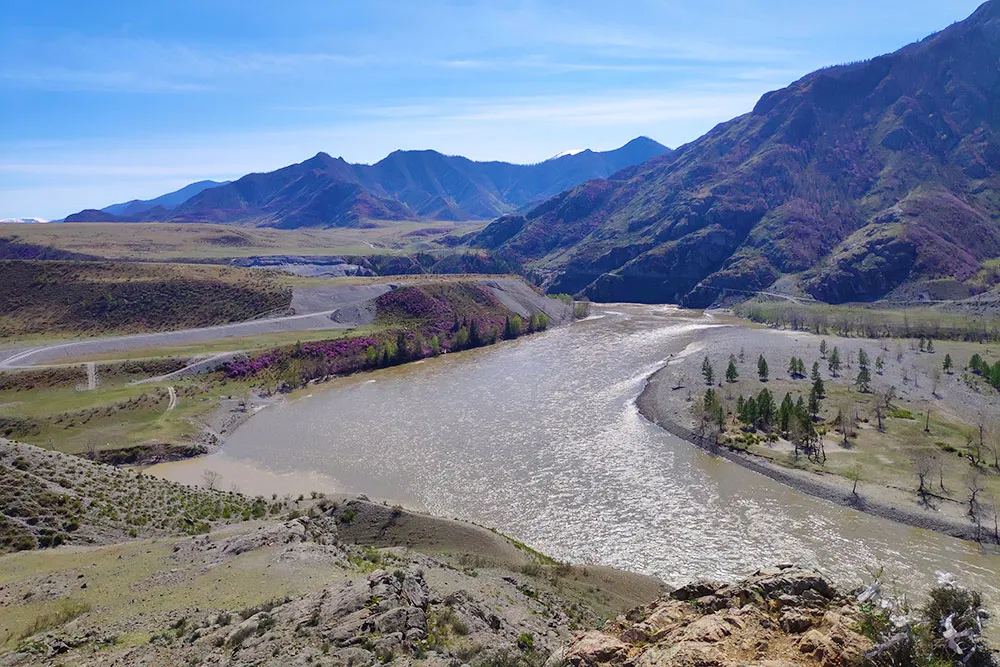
39 297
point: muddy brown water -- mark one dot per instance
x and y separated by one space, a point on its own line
541 439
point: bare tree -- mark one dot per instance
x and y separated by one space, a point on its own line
210 479
854 474
923 465
935 382
973 486
993 446
981 445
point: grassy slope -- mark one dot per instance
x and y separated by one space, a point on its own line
126 595
105 298
160 241
55 412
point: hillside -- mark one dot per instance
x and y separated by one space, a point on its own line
168 201
58 297
174 575
855 180
406 185
327 580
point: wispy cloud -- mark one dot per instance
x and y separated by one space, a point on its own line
154 66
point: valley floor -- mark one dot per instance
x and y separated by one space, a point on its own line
885 462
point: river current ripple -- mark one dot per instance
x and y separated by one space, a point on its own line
541 439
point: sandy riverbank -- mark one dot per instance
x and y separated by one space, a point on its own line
667 396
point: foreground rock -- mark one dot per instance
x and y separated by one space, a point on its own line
779 616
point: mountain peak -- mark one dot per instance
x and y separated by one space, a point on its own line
988 11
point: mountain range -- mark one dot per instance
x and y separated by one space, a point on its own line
857 182
168 201
406 185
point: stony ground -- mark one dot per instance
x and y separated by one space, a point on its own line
776 618
331 581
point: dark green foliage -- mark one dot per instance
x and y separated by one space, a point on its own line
864 378
785 413
708 372
732 374
796 368
834 363
762 371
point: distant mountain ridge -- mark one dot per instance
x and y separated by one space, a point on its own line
324 191
167 201
856 181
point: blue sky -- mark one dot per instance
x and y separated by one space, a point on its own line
107 101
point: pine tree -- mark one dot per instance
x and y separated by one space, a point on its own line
947 364
879 364
731 372
762 368
930 346
814 402
976 365
708 372
834 363
818 387
864 379
765 409
822 348
785 412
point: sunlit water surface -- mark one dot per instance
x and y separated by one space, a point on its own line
541 439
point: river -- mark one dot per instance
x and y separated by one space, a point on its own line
540 438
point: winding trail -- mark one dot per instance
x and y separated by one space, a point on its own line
91 376
173 399
59 352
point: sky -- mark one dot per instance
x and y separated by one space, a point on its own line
108 101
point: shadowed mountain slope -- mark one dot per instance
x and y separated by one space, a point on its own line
407 185
859 180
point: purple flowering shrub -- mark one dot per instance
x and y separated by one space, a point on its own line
418 321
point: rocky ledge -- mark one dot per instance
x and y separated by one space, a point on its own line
776 617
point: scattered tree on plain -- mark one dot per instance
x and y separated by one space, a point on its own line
708 372
762 371
732 373
834 362
864 379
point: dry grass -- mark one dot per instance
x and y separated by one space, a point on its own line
160 241
38 297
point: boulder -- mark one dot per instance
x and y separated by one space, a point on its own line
595 648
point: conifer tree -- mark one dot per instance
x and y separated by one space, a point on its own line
708 372
762 368
864 378
731 372
834 363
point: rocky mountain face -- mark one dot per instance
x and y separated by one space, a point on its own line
407 185
856 180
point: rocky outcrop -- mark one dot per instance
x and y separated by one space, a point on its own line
778 616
